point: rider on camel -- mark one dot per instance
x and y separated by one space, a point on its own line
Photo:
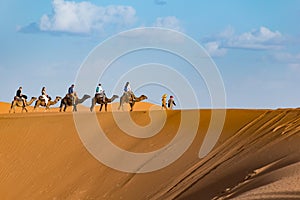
100 92
71 93
128 90
45 96
21 96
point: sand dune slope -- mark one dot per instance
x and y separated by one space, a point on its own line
257 162
257 155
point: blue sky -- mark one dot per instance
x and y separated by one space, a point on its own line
254 43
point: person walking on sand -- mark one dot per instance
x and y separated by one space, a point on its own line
171 103
21 96
164 102
100 92
45 96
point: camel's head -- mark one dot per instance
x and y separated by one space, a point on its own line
58 98
34 98
86 96
144 97
115 96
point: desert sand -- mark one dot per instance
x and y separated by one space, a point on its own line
256 157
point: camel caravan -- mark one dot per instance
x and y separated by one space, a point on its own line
71 99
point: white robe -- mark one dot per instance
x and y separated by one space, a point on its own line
45 98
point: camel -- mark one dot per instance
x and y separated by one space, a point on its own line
19 103
127 98
41 102
99 100
67 101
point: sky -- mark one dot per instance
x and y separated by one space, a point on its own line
253 43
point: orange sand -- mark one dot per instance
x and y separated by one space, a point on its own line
256 157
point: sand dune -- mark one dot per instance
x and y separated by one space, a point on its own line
256 157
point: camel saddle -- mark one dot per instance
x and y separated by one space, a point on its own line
20 98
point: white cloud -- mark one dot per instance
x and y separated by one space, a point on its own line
85 17
261 39
257 39
214 49
170 22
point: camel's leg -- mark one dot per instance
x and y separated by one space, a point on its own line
24 108
14 106
48 106
74 108
121 103
93 104
106 107
131 105
37 104
121 106
65 107
74 104
61 106
91 108
101 107
11 106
